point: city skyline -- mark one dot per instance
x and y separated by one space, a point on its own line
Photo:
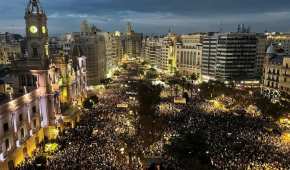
153 16
212 92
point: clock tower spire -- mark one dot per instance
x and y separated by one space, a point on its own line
36 34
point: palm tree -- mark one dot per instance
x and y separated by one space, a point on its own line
172 83
178 81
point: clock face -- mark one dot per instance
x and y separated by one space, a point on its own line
33 29
43 29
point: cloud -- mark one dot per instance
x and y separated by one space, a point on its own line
156 15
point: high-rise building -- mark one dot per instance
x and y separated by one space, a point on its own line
261 53
114 50
94 48
93 45
230 57
175 53
152 50
132 43
168 53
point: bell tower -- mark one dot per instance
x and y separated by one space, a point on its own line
37 35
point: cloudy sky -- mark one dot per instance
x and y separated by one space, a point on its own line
153 16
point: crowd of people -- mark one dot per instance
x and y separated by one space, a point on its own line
106 138
237 141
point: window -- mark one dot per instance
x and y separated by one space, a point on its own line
34 52
20 118
7 145
34 109
34 123
6 127
29 80
22 133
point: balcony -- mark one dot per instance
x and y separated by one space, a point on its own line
12 105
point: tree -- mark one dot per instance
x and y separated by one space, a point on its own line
148 96
193 77
106 81
124 66
64 107
189 149
150 123
90 102
172 83
151 74
144 63
178 75
117 73
268 108
213 89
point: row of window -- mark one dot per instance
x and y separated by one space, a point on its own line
20 118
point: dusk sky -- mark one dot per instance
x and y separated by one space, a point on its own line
153 16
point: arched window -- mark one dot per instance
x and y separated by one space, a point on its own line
20 118
34 52
5 127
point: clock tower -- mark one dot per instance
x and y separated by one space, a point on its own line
37 35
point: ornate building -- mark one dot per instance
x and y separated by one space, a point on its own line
189 53
276 74
28 112
32 90
152 50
